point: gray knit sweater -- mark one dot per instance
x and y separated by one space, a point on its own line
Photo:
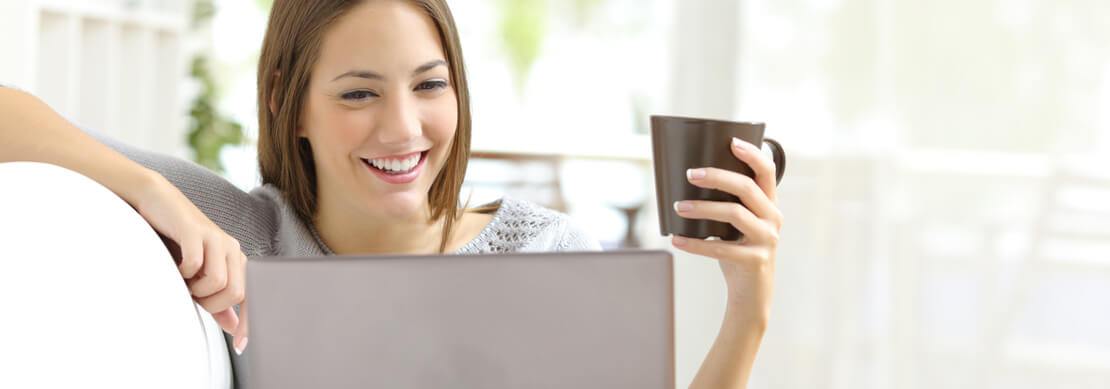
265 225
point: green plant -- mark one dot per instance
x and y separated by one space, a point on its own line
522 28
210 130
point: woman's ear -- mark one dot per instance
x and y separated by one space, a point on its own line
299 132
273 97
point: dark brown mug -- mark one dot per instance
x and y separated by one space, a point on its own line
679 144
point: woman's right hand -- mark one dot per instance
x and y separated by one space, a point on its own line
210 260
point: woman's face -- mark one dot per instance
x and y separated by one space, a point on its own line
380 112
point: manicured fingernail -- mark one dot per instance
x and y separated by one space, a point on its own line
678 240
737 143
242 346
695 174
682 206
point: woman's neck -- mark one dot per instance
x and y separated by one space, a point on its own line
347 232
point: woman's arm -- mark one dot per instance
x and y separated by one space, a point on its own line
729 362
211 261
31 131
748 265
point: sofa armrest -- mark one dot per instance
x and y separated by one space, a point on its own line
90 295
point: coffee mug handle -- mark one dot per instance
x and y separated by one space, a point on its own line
778 154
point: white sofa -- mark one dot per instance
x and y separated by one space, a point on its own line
90 296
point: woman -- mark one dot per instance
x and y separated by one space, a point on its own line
364 131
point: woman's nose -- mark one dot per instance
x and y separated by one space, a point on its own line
399 122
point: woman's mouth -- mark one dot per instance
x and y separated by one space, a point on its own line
397 169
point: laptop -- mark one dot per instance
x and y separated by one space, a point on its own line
532 320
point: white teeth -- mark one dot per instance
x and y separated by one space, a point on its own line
397 166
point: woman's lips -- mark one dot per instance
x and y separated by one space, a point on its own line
402 178
399 156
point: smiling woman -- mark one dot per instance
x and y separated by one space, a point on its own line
364 124
402 94
359 105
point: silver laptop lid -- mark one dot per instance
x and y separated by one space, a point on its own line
544 320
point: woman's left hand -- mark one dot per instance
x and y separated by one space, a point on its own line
749 264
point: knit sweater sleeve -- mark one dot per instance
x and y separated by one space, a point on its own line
250 219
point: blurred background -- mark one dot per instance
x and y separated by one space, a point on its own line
947 193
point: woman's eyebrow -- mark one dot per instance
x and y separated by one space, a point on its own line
376 76
360 74
429 66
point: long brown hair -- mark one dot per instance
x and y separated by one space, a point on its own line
289 52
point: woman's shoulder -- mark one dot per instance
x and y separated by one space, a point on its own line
523 211
288 235
520 225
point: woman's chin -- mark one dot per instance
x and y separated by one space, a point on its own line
400 205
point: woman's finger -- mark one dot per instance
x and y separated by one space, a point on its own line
735 214
192 256
737 185
233 293
721 250
239 337
763 166
227 319
214 277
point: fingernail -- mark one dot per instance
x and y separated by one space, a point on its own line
738 144
683 206
678 240
695 174
241 347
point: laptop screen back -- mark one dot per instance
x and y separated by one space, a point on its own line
550 320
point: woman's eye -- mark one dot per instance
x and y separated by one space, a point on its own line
432 85
358 95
